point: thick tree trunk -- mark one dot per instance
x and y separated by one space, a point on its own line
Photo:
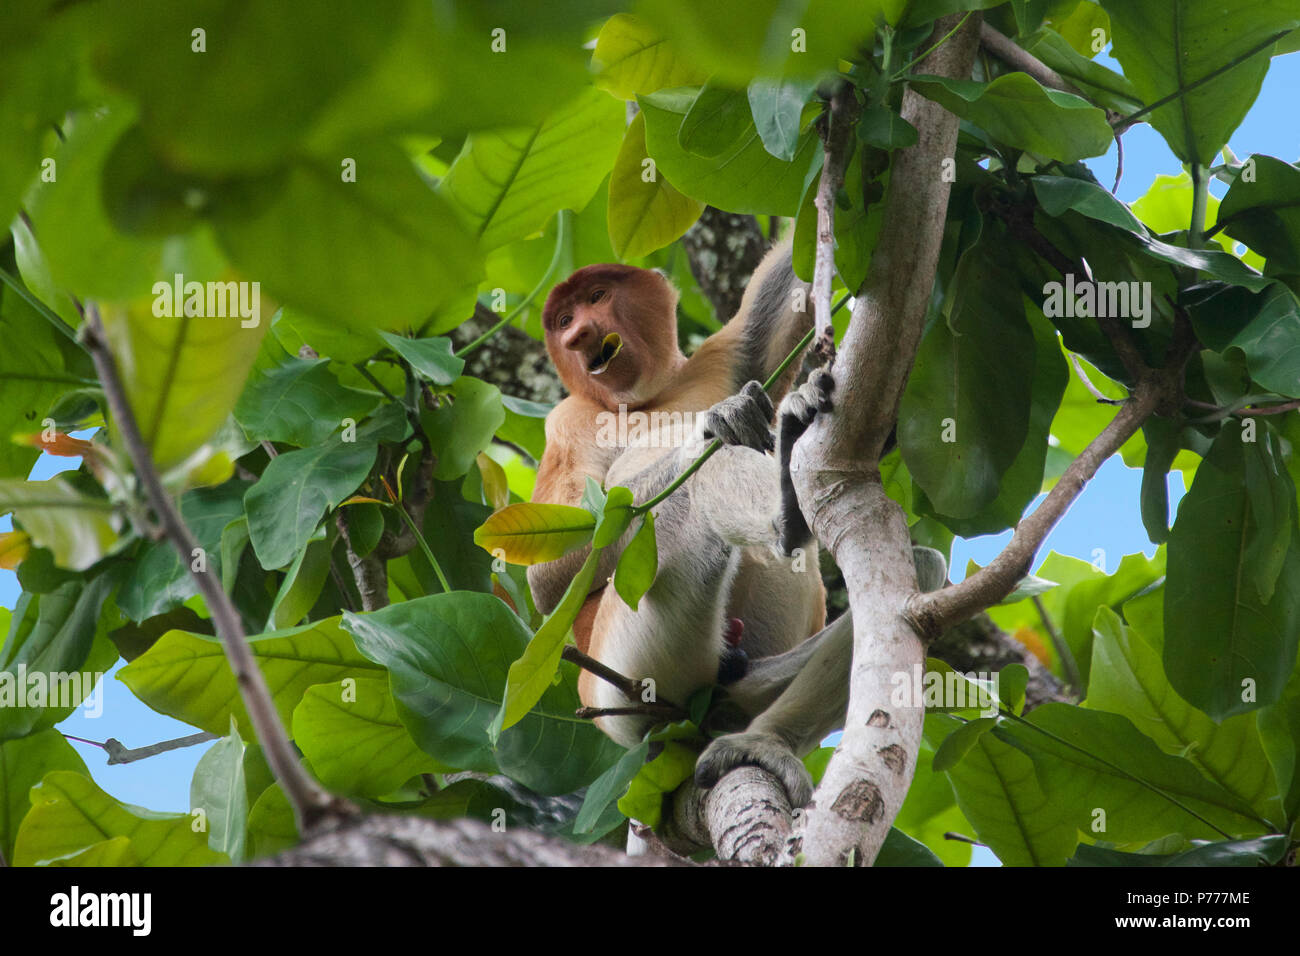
837 476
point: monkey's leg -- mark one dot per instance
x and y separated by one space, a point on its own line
811 705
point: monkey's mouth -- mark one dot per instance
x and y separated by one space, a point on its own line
610 347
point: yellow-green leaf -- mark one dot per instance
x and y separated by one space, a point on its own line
71 814
186 676
645 211
78 529
633 57
530 533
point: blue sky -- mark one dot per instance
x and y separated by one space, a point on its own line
1105 516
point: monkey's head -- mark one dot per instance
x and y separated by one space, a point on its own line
611 331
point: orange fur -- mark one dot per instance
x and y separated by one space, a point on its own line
651 374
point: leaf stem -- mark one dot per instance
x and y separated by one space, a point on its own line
424 546
1183 91
1124 773
942 40
561 233
45 312
716 444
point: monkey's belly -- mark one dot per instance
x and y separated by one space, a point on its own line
781 601
672 648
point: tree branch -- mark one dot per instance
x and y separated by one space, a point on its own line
836 474
313 806
936 611
837 127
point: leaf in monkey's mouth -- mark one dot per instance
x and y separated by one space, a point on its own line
610 347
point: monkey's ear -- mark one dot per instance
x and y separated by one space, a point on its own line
663 275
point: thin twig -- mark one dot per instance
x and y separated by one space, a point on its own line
629 687
1063 651
312 805
1087 383
658 711
836 142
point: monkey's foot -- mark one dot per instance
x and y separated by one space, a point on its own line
743 419
755 750
802 405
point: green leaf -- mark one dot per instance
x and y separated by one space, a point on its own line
186 675
217 788
1107 778
777 108
609 787
302 583
77 528
1227 650
1181 48
1261 851
881 127
356 744
533 672
644 215
507 183
60 636
525 424
997 791
1161 436
157 581
1105 87
718 117
37 85
382 251
958 743
447 657
1128 679
23 763
638 564
432 358
298 487
632 57
207 114
644 799
1014 109
965 413
1012 681
271 824
1262 209
298 401
899 849
1022 482
69 813
458 430
31 379
86 255
532 533
1056 194
743 178
741 39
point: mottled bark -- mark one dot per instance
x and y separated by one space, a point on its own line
512 360
723 250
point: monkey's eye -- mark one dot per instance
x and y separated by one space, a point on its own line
565 320
597 296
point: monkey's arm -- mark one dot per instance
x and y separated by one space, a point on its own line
774 315
740 420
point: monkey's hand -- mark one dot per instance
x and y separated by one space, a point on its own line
797 413
755 750
743 419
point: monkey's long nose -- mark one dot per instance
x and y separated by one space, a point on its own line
579 336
